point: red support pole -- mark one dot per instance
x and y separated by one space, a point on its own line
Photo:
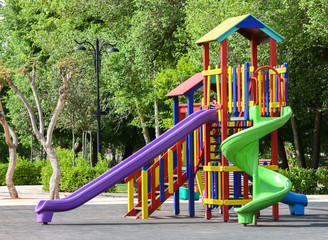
207 127
206 63
253 60
224 127
207 159
254 52
274 134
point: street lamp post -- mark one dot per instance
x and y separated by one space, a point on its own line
97 49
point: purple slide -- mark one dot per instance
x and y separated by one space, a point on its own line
46 208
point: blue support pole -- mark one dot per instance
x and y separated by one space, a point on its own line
267 92
234 88
190 160
175 158
285 75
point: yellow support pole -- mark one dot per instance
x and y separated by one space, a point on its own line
209 184
274 87
208 88
157 173
144 194
170 170
184 154
220 184
212 148
243 87
195 148
260 92
218 90
157 177
130 195
230 89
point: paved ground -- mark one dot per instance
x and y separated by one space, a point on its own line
102 218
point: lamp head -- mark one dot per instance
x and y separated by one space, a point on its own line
111 50
79 48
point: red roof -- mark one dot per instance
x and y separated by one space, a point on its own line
184 87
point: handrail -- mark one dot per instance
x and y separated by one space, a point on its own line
280 79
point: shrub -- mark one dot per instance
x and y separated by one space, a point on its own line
306 180
26 172
73 178
303 180
322 175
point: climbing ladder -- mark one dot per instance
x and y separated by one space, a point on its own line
156 183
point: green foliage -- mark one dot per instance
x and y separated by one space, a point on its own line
26 172
73 178
307 181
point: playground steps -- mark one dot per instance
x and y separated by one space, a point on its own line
153 205
161 182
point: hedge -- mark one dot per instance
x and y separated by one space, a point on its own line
73 178
307 181
26 172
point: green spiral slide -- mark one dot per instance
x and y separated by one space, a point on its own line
242 150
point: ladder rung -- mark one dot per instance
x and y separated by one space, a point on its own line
234 119
215 160
216 135
215 151
215 143
138 208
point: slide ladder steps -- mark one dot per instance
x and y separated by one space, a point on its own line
179 179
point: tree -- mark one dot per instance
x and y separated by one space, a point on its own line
149 46
45 138
12 141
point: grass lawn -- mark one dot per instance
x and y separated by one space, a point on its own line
121 188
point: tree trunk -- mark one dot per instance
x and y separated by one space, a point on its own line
10 172
12 141
282 157
90 150
73 146
158 131
145 131
316 136
32 138
84 145
56 172
128 150
73 140
298 143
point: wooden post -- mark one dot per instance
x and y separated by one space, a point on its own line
274 134
175 160
253 61
206 62
224 127
207 126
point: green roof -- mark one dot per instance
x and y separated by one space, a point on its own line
247 25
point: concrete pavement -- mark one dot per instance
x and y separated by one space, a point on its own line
103 218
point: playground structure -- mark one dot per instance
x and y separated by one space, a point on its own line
245 102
